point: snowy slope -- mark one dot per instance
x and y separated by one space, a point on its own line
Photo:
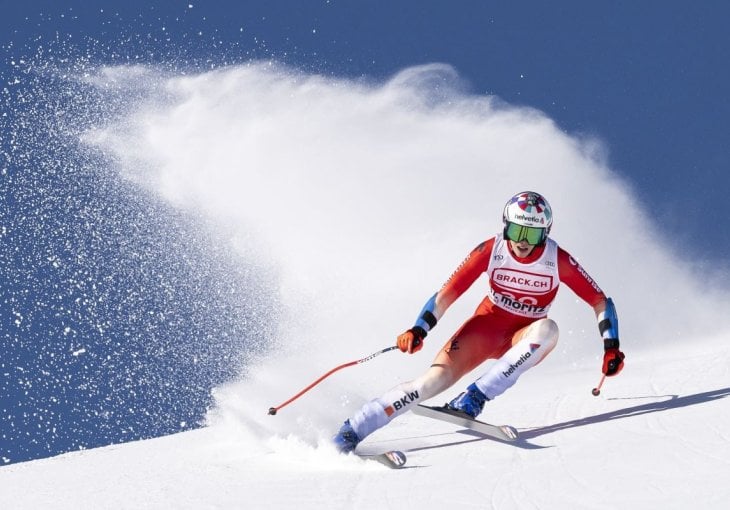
362 199
656 438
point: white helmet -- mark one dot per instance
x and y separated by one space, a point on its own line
528 216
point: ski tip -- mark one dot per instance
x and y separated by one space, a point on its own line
397 458
394 459
510 432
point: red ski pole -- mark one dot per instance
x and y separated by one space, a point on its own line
273 410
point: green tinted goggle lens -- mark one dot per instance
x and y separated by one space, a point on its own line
516 233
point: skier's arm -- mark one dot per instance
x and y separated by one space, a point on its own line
613 358
464 276
573 275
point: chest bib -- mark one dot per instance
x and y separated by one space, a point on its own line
523 289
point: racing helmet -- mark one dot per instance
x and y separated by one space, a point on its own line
528 216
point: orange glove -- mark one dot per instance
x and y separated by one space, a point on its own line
412 340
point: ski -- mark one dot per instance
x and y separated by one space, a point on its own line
502 432
394 459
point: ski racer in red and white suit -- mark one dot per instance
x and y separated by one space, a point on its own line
510 325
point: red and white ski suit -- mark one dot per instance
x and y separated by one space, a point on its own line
510 325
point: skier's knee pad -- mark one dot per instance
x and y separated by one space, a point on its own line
542 331
540 338
547 332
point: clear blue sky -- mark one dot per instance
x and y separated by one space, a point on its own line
650 78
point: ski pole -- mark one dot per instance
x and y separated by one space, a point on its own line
273 410
597 390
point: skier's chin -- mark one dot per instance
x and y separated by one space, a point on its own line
521 250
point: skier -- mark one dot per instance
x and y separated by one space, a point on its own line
525 268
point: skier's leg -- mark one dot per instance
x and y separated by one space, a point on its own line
477 340
380 411
530 345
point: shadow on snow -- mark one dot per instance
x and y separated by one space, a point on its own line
673 402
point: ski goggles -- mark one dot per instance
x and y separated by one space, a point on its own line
517 233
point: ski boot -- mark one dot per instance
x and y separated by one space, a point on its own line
470 402
346 440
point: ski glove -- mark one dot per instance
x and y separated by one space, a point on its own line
412 340
613 358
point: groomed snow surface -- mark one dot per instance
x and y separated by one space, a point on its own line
657 437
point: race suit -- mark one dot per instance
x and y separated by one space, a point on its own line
510 325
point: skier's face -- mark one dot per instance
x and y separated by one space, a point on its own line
522 248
